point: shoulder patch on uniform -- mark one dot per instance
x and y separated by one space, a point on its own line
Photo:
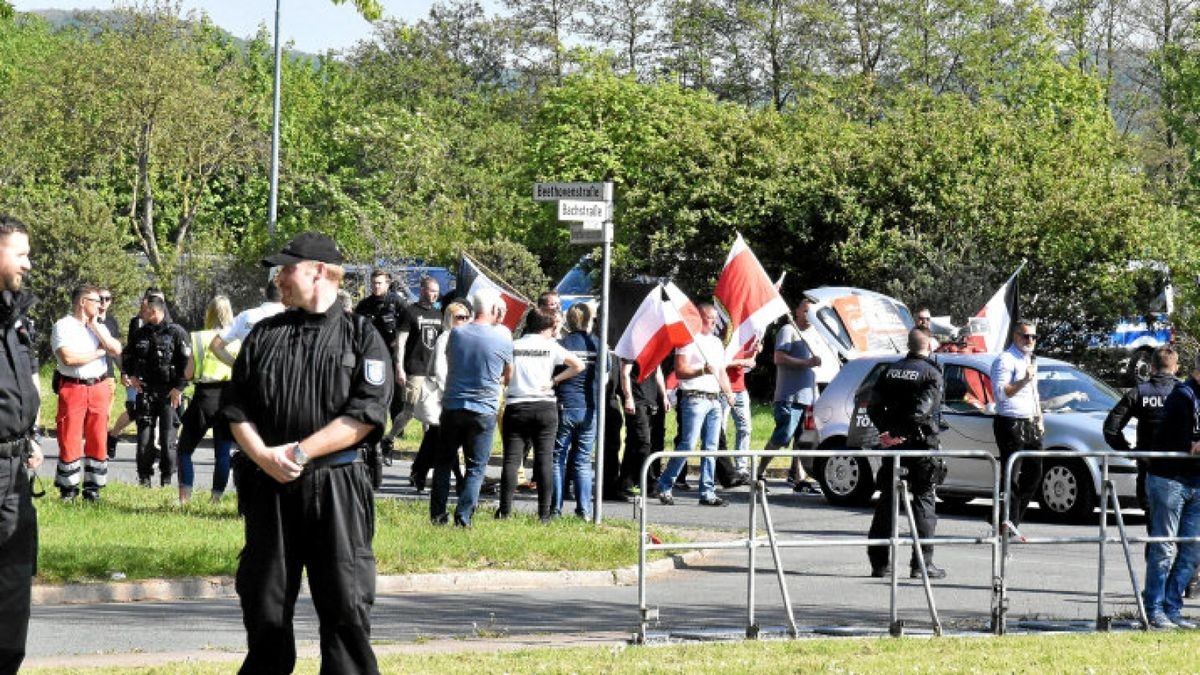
373 371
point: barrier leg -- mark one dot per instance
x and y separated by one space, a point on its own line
643 611
1133 577
783 589
751 553
1103 621
895 627
916 542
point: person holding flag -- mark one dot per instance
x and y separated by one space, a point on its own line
795 390
703 382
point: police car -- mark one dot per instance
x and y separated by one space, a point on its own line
1074 404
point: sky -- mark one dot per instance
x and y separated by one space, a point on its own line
313 25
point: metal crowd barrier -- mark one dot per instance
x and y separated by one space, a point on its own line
999 539
1108 497
752 542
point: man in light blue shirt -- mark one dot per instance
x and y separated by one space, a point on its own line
1018 421
480 358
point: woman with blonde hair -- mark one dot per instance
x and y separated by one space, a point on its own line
577 400
210 376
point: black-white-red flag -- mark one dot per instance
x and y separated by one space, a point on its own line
991 328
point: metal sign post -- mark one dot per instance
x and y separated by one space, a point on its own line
588 207
602 367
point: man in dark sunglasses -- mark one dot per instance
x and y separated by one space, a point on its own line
1018 421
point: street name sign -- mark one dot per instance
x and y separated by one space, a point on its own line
591 233
553 192
569 209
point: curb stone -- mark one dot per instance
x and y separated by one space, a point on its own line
207 588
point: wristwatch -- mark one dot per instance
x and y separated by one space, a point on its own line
298 455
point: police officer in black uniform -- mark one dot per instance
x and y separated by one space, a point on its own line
19 403
1144 403
156 360
387 311
905 407
310 389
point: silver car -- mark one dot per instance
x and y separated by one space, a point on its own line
1074 404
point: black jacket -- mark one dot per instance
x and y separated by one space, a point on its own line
1145 403
386 314
907 398
18 398
1180 427
157 354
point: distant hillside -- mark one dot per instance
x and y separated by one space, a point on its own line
70 18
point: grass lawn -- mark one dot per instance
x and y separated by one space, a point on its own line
1115 653
142 533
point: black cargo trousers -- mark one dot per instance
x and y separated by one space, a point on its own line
923 474
18 561
323 521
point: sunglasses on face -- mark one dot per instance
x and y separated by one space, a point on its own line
461 317
106 298
1029 336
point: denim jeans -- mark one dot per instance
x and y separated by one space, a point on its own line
1174 512
472 431
741 426
700 419
573 450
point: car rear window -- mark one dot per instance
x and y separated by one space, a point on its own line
833 322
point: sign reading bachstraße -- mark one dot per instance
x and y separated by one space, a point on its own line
570 209
584 192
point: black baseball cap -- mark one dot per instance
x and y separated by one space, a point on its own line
306 246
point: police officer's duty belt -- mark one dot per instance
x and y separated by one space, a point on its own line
16 448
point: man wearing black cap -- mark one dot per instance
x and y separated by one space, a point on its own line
310 390
155 361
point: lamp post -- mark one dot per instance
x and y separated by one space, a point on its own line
273 199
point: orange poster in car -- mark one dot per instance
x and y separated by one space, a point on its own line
850 312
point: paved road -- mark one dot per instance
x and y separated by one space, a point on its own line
828 586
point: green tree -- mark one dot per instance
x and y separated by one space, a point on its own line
73 240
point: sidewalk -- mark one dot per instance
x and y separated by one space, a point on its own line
207 588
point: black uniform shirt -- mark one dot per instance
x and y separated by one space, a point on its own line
157 354
114 329
18 398
907 398
297 372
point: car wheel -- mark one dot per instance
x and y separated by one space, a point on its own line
1139 368
846 481
1066 492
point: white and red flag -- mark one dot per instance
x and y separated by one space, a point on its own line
991 328
747 297
472 276
659 326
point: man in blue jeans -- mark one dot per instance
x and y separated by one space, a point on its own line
703 382
479 358
1173 490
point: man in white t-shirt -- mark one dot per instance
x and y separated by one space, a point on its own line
245 321
82 345
700 368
